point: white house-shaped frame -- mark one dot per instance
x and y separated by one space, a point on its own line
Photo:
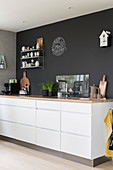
104 38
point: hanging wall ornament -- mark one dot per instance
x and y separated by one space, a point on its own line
105 39
58 46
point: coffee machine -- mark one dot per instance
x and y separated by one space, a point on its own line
11 88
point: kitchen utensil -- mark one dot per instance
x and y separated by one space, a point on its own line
24 81
94 96
93 93
102 86
93 89
37 46
40 41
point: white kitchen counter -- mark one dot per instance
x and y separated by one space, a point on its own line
75 128
70 99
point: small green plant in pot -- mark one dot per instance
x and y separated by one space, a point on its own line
50 87
78 84
44 89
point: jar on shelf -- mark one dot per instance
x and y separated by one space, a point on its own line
38 53
28 48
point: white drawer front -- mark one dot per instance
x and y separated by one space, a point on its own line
52 105
76 145
78 123
47 138
18 114
17 102
8 129
25 133
48 119
16 131
76 107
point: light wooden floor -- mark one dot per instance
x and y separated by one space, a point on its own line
15 157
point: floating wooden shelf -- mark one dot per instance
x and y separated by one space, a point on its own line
32 67
26 51
28 58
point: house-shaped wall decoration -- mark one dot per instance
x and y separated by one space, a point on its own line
104 39
2 62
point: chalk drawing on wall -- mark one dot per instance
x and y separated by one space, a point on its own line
58 46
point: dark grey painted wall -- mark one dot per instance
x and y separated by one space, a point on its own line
8 49
83 53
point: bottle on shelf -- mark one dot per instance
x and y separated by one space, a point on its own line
24 64
35 54
2 64
31 54
28 55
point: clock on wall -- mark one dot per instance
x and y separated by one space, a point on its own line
58 46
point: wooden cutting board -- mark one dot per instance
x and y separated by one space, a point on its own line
24 81
102 86
40 41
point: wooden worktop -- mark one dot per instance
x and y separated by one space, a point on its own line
73 99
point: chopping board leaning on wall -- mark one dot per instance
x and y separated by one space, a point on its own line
102 86
24 81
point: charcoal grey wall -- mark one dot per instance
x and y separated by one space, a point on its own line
83 53
8 49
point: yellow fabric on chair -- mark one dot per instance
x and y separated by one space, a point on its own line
108 121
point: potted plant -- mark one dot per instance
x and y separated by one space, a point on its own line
44 89
50 87
78 84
